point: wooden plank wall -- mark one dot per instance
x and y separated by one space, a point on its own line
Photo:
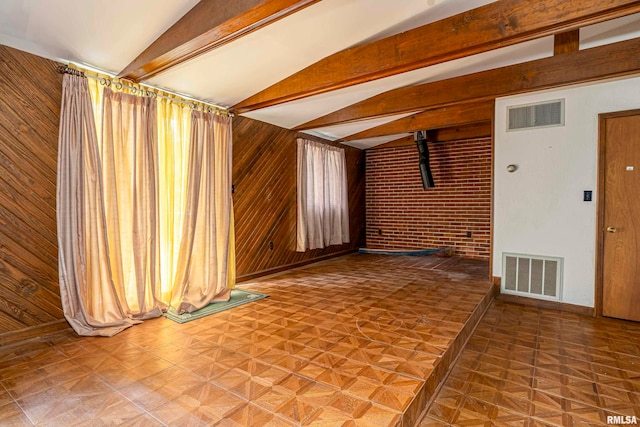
264 175
29 115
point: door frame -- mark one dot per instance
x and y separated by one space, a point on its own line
600 200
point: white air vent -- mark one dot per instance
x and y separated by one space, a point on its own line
543 114
532 276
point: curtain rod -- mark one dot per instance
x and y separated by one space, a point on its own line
149 91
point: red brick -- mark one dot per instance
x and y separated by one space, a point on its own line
413 218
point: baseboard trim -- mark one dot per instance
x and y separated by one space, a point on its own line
281 268
33 332
496 281
551 305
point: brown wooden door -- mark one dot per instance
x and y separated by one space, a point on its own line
621 256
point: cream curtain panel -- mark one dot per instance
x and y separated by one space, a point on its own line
144 207
204 264
89 298
130 179
322 197
174 138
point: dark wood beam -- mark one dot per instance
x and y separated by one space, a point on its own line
455 115
612 60
400 142
498 24
210 24
458 133
566 42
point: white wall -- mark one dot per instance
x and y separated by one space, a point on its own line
538 209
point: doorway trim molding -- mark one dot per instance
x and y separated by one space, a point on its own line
600 200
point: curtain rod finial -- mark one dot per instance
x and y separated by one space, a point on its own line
64 69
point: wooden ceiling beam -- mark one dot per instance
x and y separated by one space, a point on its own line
498 24
458 133
400 142
612 60
208 25
455 115
566 42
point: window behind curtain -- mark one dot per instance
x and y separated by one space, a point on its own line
323 209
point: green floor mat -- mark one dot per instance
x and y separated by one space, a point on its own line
238 297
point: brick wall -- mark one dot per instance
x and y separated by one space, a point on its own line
401 215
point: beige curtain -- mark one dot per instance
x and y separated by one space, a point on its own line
145 214
89 298
322 196
174 130
130 178
206 262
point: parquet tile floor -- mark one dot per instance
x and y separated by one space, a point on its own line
361 340
355 341
526 366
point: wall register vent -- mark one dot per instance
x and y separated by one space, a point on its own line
532 276
543 114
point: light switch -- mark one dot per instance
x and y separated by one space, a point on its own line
588 194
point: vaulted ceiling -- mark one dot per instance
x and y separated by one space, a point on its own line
364 72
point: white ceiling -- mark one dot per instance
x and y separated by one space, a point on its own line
109 35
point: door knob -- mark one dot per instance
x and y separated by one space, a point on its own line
611 229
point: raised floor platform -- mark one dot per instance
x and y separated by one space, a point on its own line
357 340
